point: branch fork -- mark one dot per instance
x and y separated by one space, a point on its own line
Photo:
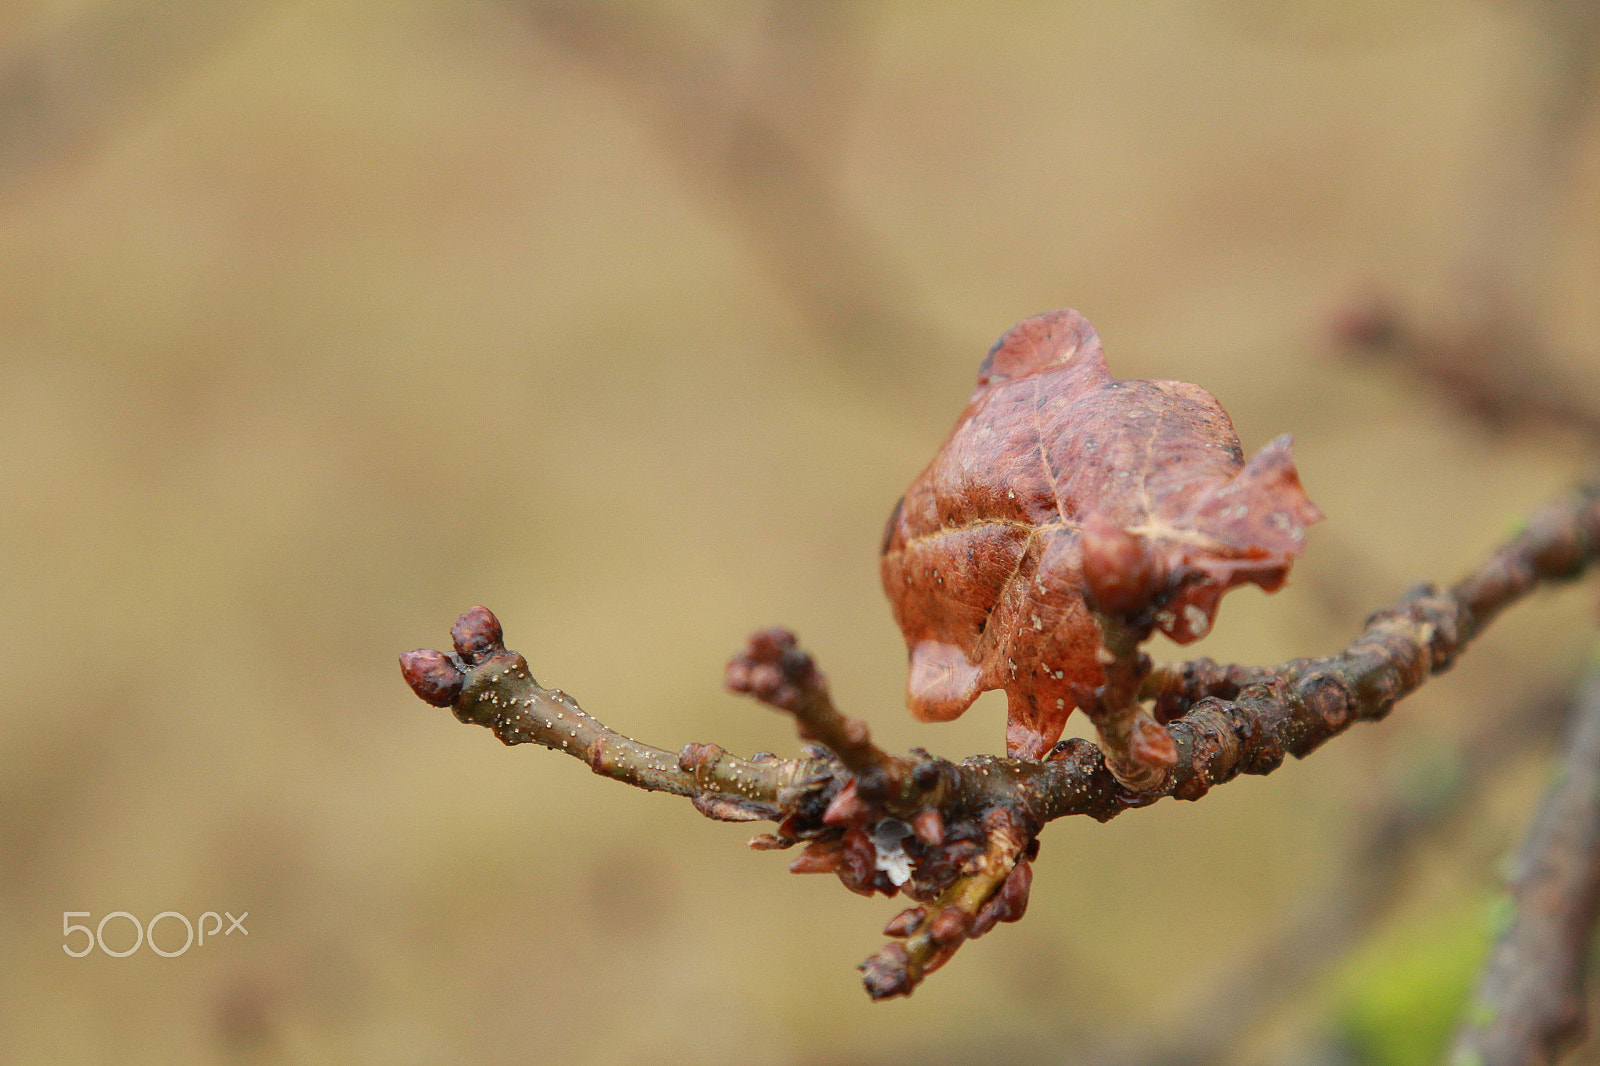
959 838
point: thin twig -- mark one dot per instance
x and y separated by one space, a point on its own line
1468 370
778 672
487 685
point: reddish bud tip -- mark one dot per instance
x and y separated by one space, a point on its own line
1152 745
819 857
1119 576
774 669
432 676
885 973
699 759
858 862
941 956
846 807
1015 891
905 923
771 643
950 926
928 824
477 635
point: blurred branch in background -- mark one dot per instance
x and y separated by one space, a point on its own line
759 138
1344 910
1494 357
67 90
1505 245
1471 371
1529 1005
1495 365
1494 360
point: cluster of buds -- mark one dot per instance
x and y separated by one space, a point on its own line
966 875
437 678
882 824
888 825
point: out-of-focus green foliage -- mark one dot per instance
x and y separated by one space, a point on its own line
1402 997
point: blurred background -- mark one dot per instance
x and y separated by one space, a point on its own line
322 322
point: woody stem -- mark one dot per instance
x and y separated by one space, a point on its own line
1129 737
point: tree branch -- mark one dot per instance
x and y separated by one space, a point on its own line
1467 368
957 838
1508 245
1342 910
75 84
758 145
1529 1003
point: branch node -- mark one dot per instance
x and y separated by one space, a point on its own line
959 839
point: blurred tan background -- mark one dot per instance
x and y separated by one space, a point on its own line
321 322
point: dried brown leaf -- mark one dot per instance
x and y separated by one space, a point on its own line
984 556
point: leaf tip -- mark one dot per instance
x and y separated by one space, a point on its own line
1050 339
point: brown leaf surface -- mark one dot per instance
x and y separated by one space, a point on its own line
984 556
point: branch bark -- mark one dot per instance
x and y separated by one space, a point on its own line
1340 911
957 838
1228 720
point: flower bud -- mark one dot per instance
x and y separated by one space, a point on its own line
905 923
928 825
1015 891
819 857
477 635
885 973
432 676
